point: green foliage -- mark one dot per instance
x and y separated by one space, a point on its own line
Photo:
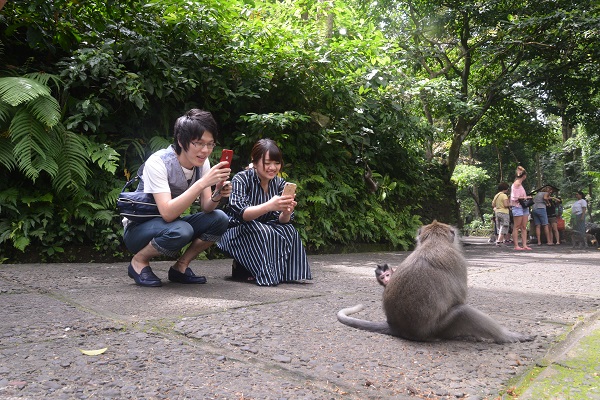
478 227
467 176
37 145
52 222
17 90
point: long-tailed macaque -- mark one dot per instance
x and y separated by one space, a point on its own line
425 297
383 273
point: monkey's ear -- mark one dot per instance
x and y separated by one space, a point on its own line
455 231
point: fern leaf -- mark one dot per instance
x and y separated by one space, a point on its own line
5 113
16 90
43 78
5 231
8 200
158 142
103 155
46 110
105 216
47 164
6 154
72 162
30 139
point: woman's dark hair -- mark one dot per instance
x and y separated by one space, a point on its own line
502 186
191 126
264 146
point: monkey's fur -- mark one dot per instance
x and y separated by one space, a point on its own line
425 297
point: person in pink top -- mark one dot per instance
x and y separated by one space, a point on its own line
520 214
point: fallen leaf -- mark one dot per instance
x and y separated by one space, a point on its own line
93 352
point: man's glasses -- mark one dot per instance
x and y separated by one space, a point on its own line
201 145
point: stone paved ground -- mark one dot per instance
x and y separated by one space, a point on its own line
232 340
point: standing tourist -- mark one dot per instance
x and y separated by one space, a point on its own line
502 213
578 210
553 218
520 213
540 216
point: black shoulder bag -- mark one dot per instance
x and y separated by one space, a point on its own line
137 206
526 203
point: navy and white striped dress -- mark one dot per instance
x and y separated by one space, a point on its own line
271 251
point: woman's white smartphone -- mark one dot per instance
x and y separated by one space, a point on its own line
289 189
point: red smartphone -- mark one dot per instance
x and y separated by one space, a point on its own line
227 155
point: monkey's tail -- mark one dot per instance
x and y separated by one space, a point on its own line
378 327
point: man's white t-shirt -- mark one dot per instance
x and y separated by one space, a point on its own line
155 175
156 178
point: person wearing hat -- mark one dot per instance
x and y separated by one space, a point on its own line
578 210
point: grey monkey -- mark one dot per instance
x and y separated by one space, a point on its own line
425 297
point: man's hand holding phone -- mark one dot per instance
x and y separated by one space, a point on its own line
223 188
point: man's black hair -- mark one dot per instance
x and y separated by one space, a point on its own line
191 126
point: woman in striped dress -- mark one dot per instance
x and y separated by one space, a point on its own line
260 236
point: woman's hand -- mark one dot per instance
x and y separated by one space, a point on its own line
285 204
289 205
290 208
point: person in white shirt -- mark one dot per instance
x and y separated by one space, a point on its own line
578 210
178 176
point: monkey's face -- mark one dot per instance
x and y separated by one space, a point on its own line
383 273
385 278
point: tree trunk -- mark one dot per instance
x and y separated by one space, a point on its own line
589 203
538 170
569 172
501 178
429 117
461 130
